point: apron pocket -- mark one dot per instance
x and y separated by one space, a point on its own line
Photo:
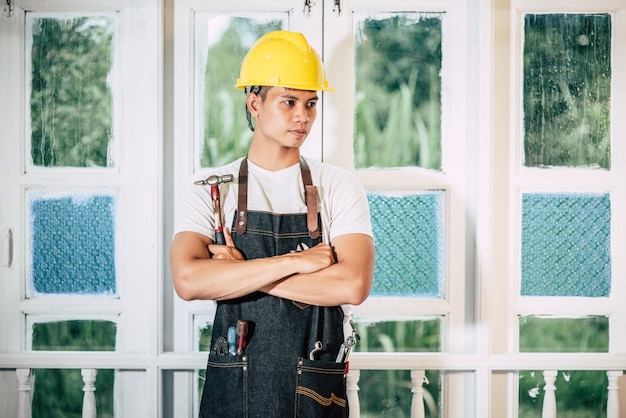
225 392
321 389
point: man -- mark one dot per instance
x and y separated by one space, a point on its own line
300 245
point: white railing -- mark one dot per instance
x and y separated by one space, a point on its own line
89 398
549 409
24 396
509 363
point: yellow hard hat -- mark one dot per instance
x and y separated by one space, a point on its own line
284 59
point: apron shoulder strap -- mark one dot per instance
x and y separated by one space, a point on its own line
310 195
242 199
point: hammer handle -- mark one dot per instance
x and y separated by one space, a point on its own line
219 237
217 212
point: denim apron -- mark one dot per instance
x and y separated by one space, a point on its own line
276 376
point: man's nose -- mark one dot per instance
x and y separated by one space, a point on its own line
302 114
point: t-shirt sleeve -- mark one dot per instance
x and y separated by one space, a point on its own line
347 206
195 213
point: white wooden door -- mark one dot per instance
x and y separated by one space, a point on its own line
80 153
334 29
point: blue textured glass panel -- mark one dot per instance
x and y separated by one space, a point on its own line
566 244
71 244
409 234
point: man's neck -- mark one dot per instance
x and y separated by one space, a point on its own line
274 160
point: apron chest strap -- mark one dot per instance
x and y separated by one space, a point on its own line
310 196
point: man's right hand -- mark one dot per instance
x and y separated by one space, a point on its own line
227 251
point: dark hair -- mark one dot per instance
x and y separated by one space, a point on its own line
260 91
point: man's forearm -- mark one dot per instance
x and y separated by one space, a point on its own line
346 282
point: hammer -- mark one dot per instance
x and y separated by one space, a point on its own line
214 182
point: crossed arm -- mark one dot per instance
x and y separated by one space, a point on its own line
322 275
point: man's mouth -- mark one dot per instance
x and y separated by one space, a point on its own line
299 132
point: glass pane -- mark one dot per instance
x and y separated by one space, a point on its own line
59 393
70 243
414 225
75 335
566 244
387 393
71 100
568 335
419 335
398 90
578 393
204 340
221 42
567 90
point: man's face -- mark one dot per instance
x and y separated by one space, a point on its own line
286 116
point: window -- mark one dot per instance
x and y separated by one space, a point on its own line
488 137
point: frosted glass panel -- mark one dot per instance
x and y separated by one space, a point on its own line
221 42
74 335
567 90
564 335
71 98
579 393
388 394
409 234
70 243
409 335
566 244
398 60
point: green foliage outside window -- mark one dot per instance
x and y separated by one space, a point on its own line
567 90
398 91
388 392
71 103
58 393
226 135
580 393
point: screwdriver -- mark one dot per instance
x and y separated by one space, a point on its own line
242 336
232 341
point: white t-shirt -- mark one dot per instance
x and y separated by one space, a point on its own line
341 197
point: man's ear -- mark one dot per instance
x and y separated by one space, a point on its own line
253 102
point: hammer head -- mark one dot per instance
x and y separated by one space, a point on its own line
213 180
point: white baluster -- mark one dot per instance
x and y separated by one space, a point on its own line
418 378
23 393
89 398
352 387
549 398
612 405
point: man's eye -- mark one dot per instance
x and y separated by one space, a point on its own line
312 104
290 102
